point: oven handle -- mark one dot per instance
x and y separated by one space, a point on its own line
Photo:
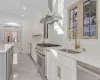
42 56
88 71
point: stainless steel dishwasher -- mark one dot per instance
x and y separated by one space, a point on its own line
87 72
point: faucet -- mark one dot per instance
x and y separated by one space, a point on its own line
77 42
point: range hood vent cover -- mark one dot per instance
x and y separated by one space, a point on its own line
50 18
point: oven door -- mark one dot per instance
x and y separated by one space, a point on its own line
41 63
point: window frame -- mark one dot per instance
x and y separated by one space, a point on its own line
72 9
89 37
81 30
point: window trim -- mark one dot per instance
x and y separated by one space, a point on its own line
69 24
70 21
90 37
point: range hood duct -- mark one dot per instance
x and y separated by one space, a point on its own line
51 18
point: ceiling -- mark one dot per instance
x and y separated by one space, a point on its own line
14 8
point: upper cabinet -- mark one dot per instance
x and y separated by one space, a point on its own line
83 19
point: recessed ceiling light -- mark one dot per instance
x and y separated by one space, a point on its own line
22 15
24 7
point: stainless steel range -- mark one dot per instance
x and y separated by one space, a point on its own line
41 58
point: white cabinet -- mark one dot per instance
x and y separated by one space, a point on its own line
61 67
6 60
34 55
9 62
51 66
64 73
48 64
67 74
53 70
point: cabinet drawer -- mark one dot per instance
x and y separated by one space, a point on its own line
67 62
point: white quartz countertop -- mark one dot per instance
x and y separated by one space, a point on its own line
91 58
5 47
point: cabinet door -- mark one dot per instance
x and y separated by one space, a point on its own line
59 72
48 64
67 74
8 64
34 55
53 70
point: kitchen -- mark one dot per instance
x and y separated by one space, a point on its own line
58 43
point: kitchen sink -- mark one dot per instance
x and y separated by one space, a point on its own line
69 51
48 45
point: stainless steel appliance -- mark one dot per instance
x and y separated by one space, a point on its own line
41 63
50 18
87 72
41 58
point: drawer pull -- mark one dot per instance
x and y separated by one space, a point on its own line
59 71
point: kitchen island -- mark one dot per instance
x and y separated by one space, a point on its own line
6 60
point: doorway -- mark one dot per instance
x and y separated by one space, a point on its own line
13 35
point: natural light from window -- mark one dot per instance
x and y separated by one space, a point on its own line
15 76
54 52
58 29
59 25
15 58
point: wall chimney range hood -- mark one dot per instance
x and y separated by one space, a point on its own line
51 18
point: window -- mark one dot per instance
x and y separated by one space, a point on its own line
14 36
83 19
11 36
73 21
89 26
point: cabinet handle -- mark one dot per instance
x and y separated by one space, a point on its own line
59 71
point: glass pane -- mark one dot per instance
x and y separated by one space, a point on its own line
71 23
93 8
86 20
74 32
86 7
92 30
93 18
75 24
86 30
86 12
75 12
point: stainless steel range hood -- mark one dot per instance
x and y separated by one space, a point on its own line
50 18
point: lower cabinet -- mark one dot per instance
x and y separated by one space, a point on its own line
6 61
60 71
67 74
9 62
54 70
64 73
34 55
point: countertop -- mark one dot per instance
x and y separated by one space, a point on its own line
91 58
5 47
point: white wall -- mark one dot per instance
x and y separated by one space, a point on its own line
1 33
38 27
30 27
25 34
90 45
